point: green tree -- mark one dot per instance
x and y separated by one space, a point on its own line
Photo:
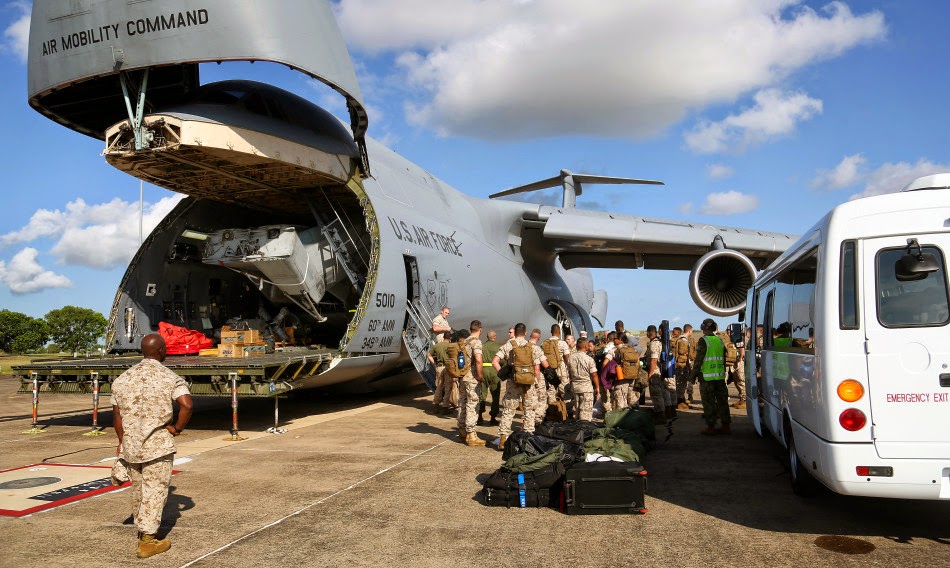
19 333
76 328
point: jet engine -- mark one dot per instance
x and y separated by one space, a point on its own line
719 281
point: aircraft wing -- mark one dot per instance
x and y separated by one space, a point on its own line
607 240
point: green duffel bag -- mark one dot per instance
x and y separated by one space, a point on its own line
632 439
632 420
523 463
613 447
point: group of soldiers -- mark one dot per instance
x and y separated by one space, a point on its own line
557 374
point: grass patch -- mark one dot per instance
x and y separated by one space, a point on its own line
7 362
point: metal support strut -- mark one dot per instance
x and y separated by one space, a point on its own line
276 429
36 428
96 429
235 437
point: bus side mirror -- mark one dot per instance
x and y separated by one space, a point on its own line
912 266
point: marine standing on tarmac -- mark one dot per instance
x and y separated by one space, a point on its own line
437 356
680 346
710 371
517 393
469 387
690 382
585 387
623 389
556 351
142 417
662 408
737 372
571 343
540 387
491 384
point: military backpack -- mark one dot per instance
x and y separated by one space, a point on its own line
732 354
681 351
522 363
458 362
630 362
552 353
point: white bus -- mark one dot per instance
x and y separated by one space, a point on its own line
853 372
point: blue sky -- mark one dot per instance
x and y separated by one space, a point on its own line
756 113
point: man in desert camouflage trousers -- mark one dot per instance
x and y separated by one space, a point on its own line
142 417
469 385
585 386
514 392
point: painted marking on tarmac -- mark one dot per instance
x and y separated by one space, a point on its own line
310 506
196 447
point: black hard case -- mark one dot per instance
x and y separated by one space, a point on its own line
605 488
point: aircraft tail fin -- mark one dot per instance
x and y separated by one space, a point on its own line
571 183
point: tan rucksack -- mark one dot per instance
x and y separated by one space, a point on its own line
551 353
522 363
732 354
630 362
681 350
456 355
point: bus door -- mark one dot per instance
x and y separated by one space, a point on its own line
908 352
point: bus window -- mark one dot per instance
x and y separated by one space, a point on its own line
848 288
793 303
914 303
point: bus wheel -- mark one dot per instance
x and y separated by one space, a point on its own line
803 484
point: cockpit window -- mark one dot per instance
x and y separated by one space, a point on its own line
914 303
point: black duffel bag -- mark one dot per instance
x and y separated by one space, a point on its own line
573 431
522 442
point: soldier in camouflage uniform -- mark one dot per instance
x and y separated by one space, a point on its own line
491 384
690 381
142 417
540 387
437 355
658 391
515 393
560 365
469 385
584 383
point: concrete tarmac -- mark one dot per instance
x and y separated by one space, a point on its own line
380 481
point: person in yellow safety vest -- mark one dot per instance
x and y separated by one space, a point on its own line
710 370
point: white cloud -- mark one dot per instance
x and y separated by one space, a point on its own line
103 236
510 69
890 178
845 174
718 171
24 275
775 114
723 203
16 36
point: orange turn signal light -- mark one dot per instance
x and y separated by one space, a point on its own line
850 390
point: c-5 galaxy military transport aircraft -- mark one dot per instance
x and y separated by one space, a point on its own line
293 217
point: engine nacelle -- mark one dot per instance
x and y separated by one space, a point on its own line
720 280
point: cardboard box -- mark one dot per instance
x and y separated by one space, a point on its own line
230 350
213 352
251 336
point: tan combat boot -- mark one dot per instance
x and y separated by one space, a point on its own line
501 442
474 440
740 404
150 546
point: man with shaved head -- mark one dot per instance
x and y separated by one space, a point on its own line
142 416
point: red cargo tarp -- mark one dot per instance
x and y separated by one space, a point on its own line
181 341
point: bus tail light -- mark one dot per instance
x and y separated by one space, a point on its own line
852 420
874 471
850 390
